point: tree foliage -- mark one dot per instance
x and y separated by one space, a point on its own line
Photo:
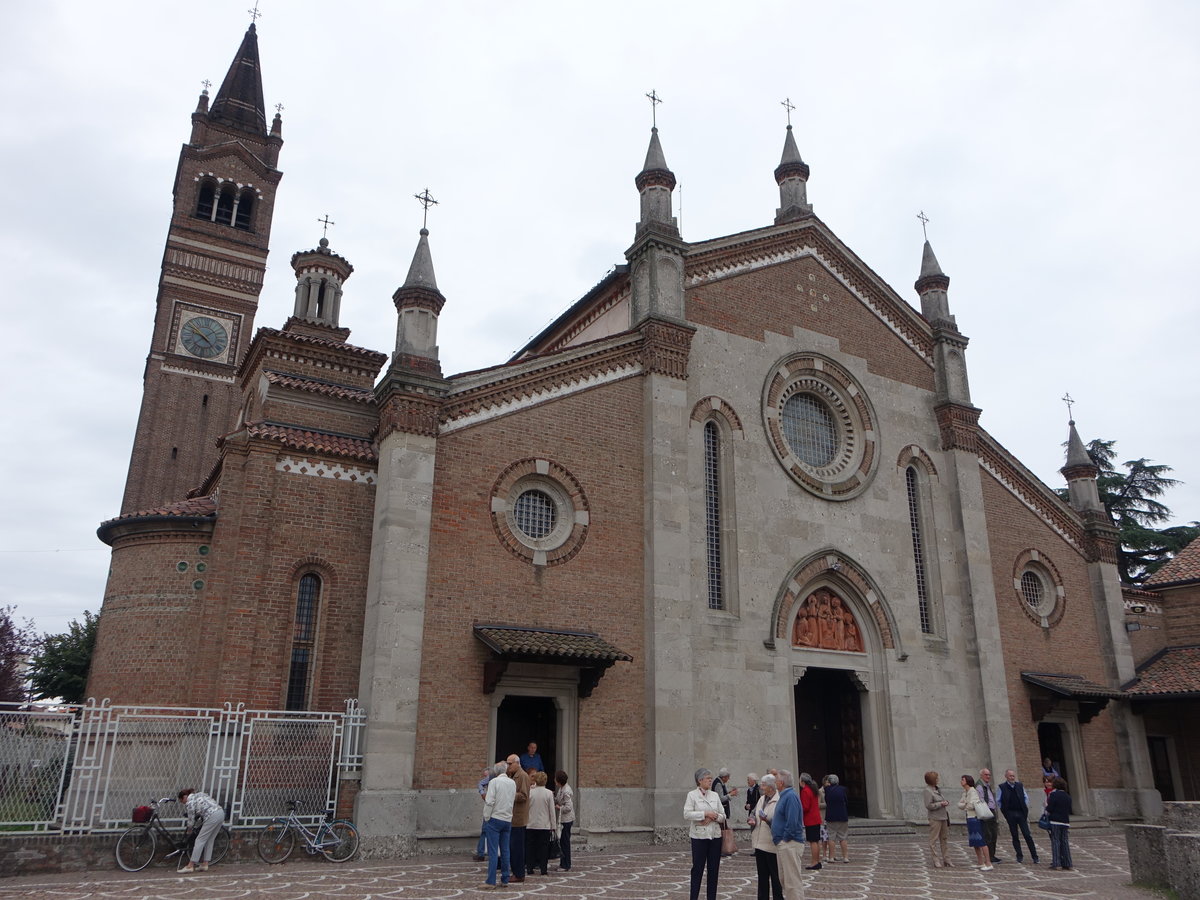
61 661
1131 498
16 641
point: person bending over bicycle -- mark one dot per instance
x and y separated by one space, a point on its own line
201 808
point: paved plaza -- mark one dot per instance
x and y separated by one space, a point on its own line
887 868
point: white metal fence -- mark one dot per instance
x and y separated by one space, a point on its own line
84 768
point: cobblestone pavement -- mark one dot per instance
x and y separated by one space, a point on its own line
893 868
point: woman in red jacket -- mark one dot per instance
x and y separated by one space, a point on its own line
810 803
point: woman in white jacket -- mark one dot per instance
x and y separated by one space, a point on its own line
968 803
705 815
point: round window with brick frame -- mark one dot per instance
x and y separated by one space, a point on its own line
540 512
1039 588
820 425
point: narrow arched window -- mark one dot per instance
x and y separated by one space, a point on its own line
714 555
308 595
321 298
223 215
918 541
245 208
205 200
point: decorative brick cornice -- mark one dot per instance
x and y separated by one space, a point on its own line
411 413
709 405
932 283
1032 494
419 298
1075 473
791 170
725 257
959 426
655 178
666 346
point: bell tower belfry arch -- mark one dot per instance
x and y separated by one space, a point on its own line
212 273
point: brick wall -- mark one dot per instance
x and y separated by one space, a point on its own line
1070 647
597 436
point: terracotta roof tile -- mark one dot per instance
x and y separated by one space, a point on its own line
196 507
1070 685
1184 567
533 642
324 342
1175 670
340 391
315 441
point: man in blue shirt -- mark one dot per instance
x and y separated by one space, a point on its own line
787 833
531 759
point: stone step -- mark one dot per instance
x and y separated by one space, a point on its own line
876 827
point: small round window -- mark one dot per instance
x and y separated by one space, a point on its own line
810 430
1039 588
540 512
534 514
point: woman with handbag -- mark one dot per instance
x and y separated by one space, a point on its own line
705 817
939 820
541 825
970 803
1058 808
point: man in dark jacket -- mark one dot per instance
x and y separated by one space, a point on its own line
1015 805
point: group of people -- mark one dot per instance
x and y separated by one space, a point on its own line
520 817
781 820
984 803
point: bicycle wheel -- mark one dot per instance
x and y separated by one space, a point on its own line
135 848
339 842
221 844
183 851
275 842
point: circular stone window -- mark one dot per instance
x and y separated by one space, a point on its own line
1039 588
820 426
540 512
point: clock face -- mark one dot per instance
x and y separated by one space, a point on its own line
204 337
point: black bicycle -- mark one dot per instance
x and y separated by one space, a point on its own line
138 845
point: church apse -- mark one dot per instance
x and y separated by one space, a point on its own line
825 622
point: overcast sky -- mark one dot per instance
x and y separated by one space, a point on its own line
1053 146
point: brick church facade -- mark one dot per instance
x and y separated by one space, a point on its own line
733 507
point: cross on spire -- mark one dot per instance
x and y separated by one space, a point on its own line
325 223
1070 401
426 200
654 101
924 221
789 106
207 84
255 15
279 108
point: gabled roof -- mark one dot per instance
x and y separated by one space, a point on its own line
1172 672
323 443
316 386
1183 568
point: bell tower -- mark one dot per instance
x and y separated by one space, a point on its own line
212 274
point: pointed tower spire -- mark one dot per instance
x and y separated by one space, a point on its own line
932 285
418 305
792 177
656 183
1082 474
239 102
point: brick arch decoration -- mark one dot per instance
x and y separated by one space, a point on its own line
709 405
853 584
546 471
1031 558
315 564
914 454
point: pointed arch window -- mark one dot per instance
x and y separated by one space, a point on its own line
713 537
921 570
308 596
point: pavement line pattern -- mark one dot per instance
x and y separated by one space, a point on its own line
887 869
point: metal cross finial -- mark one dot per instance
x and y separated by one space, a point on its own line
255 15
279 108
325 223
654 101
789 106
426 200
1070 401
207 84
924 221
